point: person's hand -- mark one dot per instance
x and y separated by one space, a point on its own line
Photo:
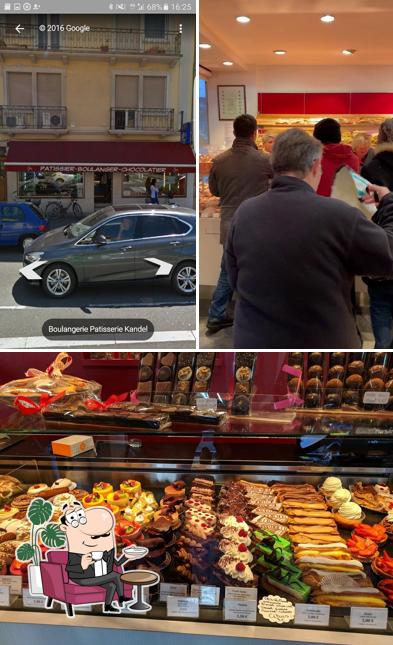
381 191
86 561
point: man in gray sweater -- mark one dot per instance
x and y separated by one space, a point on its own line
236 175
292 255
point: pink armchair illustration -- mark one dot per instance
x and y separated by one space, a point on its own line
57 585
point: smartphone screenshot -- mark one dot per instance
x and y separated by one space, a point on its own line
97 181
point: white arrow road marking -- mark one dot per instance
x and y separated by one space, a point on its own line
164 268
29 270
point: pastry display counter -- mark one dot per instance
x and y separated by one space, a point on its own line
196 488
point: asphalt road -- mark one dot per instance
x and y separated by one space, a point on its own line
24 308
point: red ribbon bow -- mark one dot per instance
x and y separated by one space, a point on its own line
29 406
94 404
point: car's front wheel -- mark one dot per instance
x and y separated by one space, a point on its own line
184 278
58 280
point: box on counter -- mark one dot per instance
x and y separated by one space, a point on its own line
73 445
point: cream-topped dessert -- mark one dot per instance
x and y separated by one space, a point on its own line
330 485
236 569
350 510
340 496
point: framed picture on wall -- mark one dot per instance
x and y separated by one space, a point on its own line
231 101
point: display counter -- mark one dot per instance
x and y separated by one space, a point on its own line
255 451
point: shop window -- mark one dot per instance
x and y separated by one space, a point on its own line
12 214
50 184
154 226
171 185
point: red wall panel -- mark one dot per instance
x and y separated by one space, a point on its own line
281 103
376 103
327 103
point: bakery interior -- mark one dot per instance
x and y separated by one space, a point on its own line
243 475
293 69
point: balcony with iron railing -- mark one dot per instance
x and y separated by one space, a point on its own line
160 120
33 118
97 40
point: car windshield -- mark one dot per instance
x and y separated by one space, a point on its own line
81 228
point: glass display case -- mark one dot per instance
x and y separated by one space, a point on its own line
252 492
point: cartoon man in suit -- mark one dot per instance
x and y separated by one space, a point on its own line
91 543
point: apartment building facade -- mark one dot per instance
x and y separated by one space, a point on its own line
97 113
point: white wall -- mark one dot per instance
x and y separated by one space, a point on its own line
311 78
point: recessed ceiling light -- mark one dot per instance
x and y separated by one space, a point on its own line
280 52
327 18
204 45
227 62
348 52
243 19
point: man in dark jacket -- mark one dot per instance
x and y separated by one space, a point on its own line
236 175
335 154
292 256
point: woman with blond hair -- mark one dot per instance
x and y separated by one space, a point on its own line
380 169
361 146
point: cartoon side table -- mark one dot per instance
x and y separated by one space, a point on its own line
140 579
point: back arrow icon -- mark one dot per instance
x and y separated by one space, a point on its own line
18 28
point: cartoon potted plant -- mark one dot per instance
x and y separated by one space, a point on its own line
39 514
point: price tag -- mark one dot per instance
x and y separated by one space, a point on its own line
5 599
380 398
203 404
36 602
207 595
318 615
239 593
14 583
182 607
363 618
241 611
168 589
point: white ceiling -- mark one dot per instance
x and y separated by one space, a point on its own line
294 25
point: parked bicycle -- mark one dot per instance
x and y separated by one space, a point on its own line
58 208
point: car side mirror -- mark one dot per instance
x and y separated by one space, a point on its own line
100 239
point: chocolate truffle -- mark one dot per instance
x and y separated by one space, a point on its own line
354 382
145 386
295 358
351 397
337 371
332 401
334 384
164 373
145 373
200 386
356 367
380 358
378 371
315 358
375 384
241 405
164 386
315 371
314 384
295 384
312 400
337 358
183 386
184 374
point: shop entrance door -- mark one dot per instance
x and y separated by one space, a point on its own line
102 189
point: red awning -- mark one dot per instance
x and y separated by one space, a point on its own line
102 156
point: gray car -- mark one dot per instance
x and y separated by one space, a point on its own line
138 243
